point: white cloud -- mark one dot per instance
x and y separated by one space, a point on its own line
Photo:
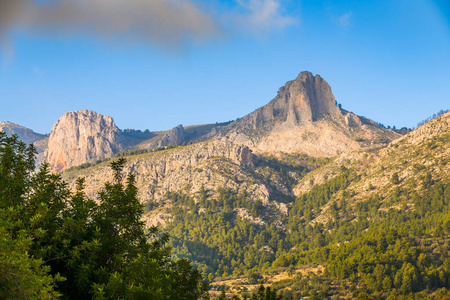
263 15
345 19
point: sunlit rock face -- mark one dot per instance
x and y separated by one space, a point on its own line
82 136
304 117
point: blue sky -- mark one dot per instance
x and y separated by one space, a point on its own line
154 66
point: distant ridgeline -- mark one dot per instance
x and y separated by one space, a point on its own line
303 118
439 113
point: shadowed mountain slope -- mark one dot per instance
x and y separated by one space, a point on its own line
25 134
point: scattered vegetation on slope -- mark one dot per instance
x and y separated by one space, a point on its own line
379 227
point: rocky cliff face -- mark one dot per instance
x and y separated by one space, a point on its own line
172 170
303 117
175 136
306 99
82 136
211 164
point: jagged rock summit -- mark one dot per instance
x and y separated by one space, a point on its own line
306 99
81 136
304 117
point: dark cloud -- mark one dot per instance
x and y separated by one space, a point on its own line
167 22
10 12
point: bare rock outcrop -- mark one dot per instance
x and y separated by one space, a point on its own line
211 163
306 99
304 118
82 136
352 120
175 136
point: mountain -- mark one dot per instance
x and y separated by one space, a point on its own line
304 118
81 136
25 134
28 136
190 169
361 222
313 199
330 203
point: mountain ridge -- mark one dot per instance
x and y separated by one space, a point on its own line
302 118
233 206
25 134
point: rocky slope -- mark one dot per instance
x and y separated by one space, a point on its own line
82 136
221 163
25 134
421 153
186 169
304 118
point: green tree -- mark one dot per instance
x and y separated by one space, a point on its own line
254 277
57 243
21 275
395 179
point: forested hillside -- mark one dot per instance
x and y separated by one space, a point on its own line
364 224
376 223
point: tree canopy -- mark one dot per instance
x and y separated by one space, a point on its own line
55 243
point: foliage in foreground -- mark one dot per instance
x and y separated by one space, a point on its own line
54 243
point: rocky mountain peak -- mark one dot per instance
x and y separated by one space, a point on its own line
306 99
81 136
303 117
